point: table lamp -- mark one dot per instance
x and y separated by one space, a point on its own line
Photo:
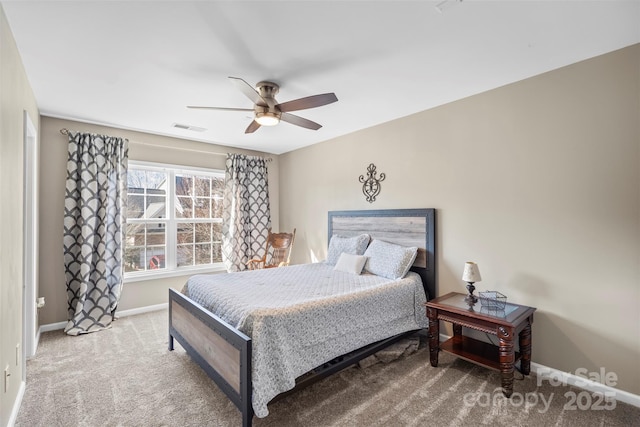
471 275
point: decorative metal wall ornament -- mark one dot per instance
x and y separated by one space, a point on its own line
371 185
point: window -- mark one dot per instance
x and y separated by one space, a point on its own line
174 219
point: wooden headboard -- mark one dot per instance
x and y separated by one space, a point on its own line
406 227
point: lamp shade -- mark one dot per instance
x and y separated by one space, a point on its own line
471 273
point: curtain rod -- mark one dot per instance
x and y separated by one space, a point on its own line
65 131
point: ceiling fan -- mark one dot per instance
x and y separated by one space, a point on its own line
268 112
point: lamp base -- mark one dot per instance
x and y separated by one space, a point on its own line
471 298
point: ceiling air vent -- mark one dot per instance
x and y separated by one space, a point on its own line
445 5
188 127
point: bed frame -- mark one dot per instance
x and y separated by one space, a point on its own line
224 353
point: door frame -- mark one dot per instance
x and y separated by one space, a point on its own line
30 334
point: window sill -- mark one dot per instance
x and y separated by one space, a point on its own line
141 277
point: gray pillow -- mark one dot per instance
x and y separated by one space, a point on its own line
350 245
388 259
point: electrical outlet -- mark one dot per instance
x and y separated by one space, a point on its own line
6 378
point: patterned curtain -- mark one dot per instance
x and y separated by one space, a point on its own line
246 217
93 229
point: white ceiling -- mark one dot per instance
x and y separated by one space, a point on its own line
138 64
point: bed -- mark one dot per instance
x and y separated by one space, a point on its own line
261 348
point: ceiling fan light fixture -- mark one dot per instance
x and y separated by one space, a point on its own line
268 112
267 118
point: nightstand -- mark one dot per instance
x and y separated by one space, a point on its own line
513 320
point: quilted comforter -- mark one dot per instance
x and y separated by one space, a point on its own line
302 316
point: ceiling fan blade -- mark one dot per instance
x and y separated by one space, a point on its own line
253 126
248 90
308 102
220 108
299 121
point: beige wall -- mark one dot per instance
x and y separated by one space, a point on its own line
537 181
142 146
16 97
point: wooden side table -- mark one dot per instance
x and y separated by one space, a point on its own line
505 324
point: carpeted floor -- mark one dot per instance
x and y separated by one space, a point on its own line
125 376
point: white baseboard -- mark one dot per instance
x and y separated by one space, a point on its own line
568 378
17 404
124 313
51 327
35 345
147 309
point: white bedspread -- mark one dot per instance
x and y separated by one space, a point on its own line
302 316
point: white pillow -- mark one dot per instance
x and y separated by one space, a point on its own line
350 263
388 259
351 245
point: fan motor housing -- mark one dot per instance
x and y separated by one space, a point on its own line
267 89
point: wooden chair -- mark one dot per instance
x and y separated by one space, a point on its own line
277 250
